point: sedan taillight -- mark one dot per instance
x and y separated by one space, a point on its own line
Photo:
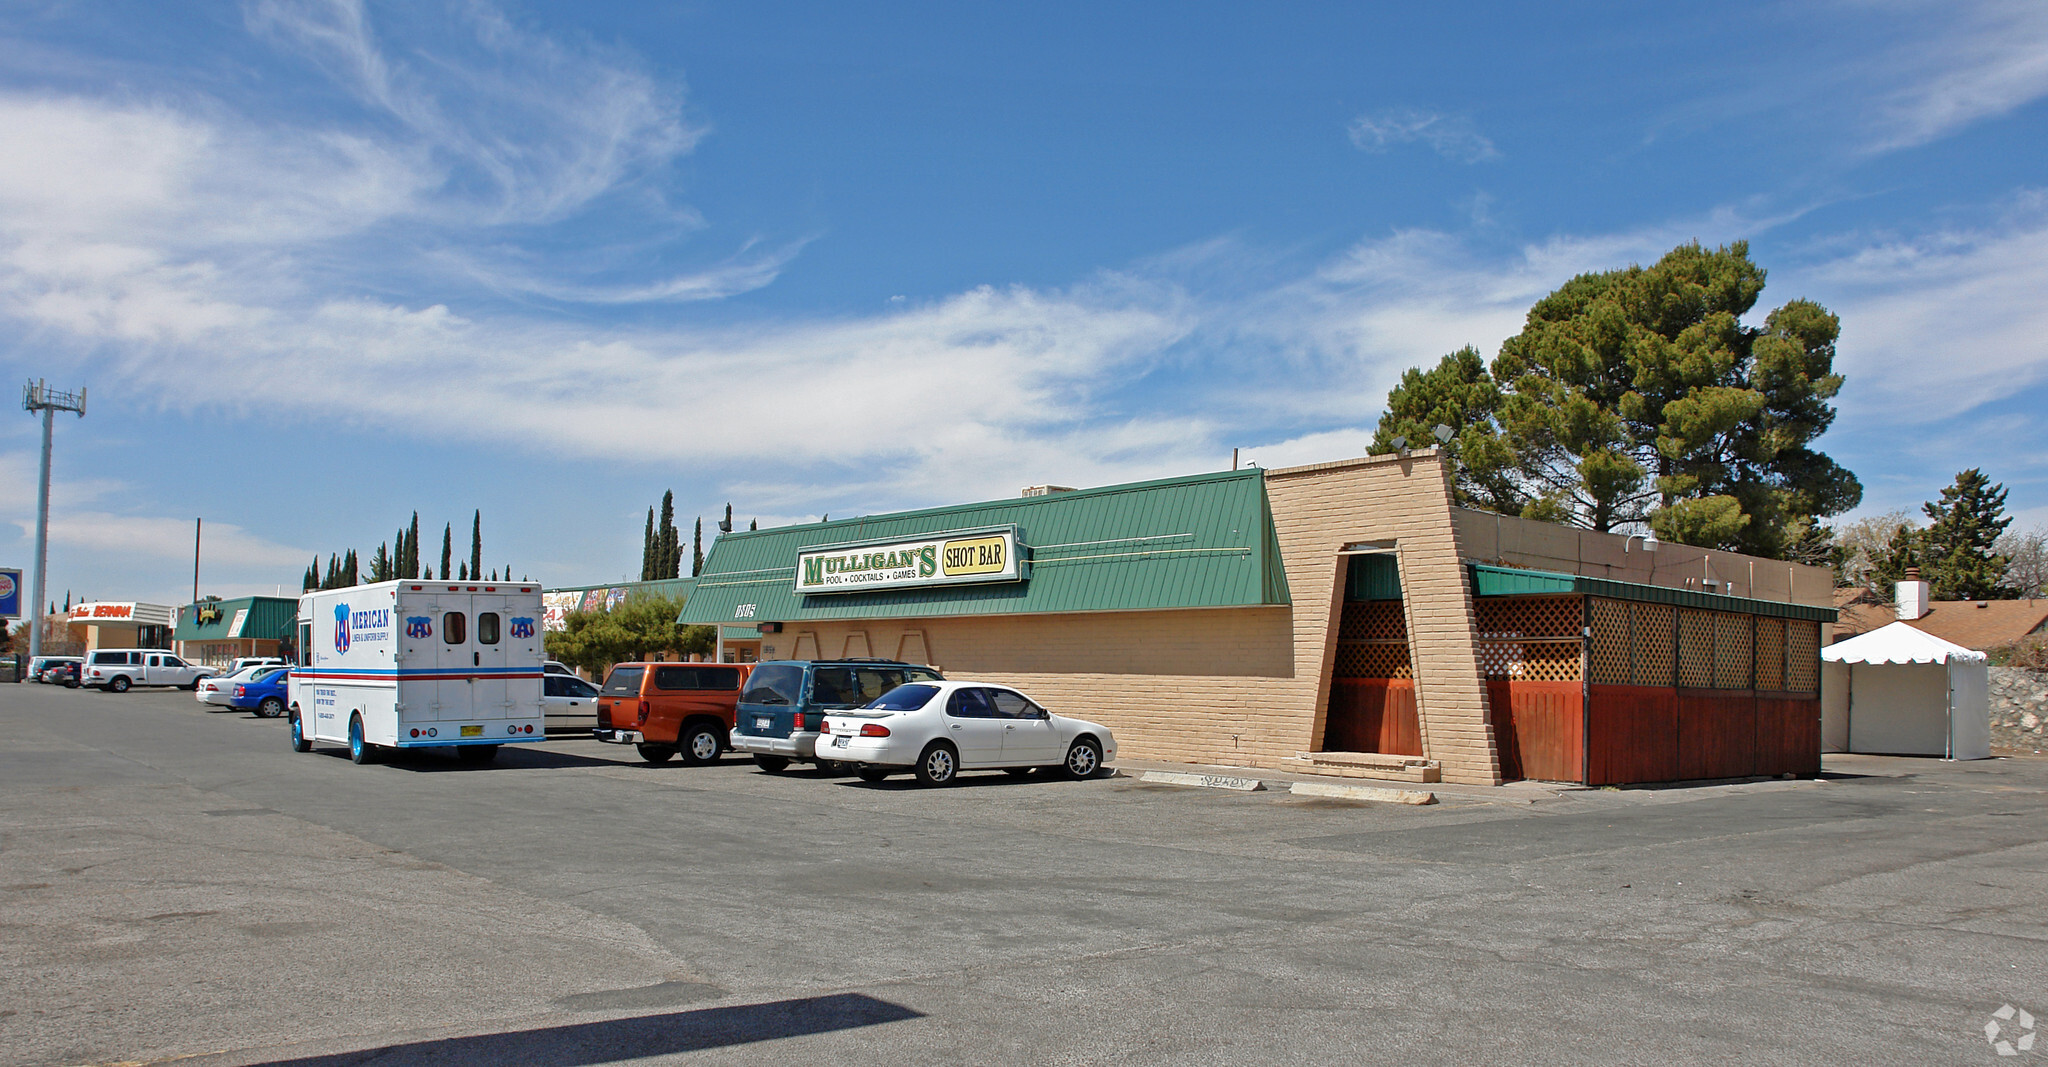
238 690
874 729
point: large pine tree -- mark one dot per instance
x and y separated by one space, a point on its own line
1639 398
1961 561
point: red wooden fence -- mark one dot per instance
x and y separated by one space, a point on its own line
1538 728
1373 715
1656 734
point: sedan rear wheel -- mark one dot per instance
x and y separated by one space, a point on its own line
873 774
1084 758
271 707
939 765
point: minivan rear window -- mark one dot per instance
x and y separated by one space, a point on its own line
854 686
775 683
623 681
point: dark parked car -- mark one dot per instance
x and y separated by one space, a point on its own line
786 700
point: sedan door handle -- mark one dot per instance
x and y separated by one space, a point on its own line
956 726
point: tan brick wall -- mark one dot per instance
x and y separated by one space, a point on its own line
1193 686
1405 503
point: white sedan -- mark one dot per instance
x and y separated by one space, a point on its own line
217 690
938 729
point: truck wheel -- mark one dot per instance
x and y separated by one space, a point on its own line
271 707
119 684
477 753
655 753
300 743
358 749
194 687
701 744
771 764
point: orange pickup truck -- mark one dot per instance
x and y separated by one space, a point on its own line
670 708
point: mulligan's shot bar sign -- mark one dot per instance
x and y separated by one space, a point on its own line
954 558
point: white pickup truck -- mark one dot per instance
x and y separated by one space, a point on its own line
119 669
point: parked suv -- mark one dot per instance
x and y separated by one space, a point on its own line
38 665
785 701
116 669
670 708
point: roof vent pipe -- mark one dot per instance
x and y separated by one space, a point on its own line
1911 596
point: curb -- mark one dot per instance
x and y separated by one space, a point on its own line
1362 792
1208 781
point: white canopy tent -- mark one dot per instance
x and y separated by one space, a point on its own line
1902 691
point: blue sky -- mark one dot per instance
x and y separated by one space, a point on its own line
323 264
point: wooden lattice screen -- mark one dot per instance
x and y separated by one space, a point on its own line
1530 637
1770 654
1372 641
1659 645
1802 656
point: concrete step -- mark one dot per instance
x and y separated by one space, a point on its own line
1366 765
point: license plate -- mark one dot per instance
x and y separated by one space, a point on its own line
839 742
472 731
764 724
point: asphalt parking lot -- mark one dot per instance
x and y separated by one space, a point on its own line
176 883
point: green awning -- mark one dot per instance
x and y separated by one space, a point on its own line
1489 580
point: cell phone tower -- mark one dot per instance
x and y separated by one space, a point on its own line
37 396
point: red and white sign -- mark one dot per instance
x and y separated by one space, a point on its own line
106 610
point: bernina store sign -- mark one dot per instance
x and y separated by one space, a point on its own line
957 557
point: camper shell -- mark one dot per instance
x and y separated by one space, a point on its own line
419 664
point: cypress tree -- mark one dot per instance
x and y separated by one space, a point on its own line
670 559
1962 562
412 547
697 548
476 545
447 544
647 548
753 524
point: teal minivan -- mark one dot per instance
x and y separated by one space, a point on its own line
785 700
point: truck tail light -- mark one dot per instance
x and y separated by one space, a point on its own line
645 707
799 721
873 729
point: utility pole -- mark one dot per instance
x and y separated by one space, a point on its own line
37 396
198 526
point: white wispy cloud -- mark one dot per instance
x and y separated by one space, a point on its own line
1453 137
1939 323
522 127
1957 63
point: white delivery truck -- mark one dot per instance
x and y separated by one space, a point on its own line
419 664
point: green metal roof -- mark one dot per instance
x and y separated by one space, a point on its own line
269 619
1201 541
1488 580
